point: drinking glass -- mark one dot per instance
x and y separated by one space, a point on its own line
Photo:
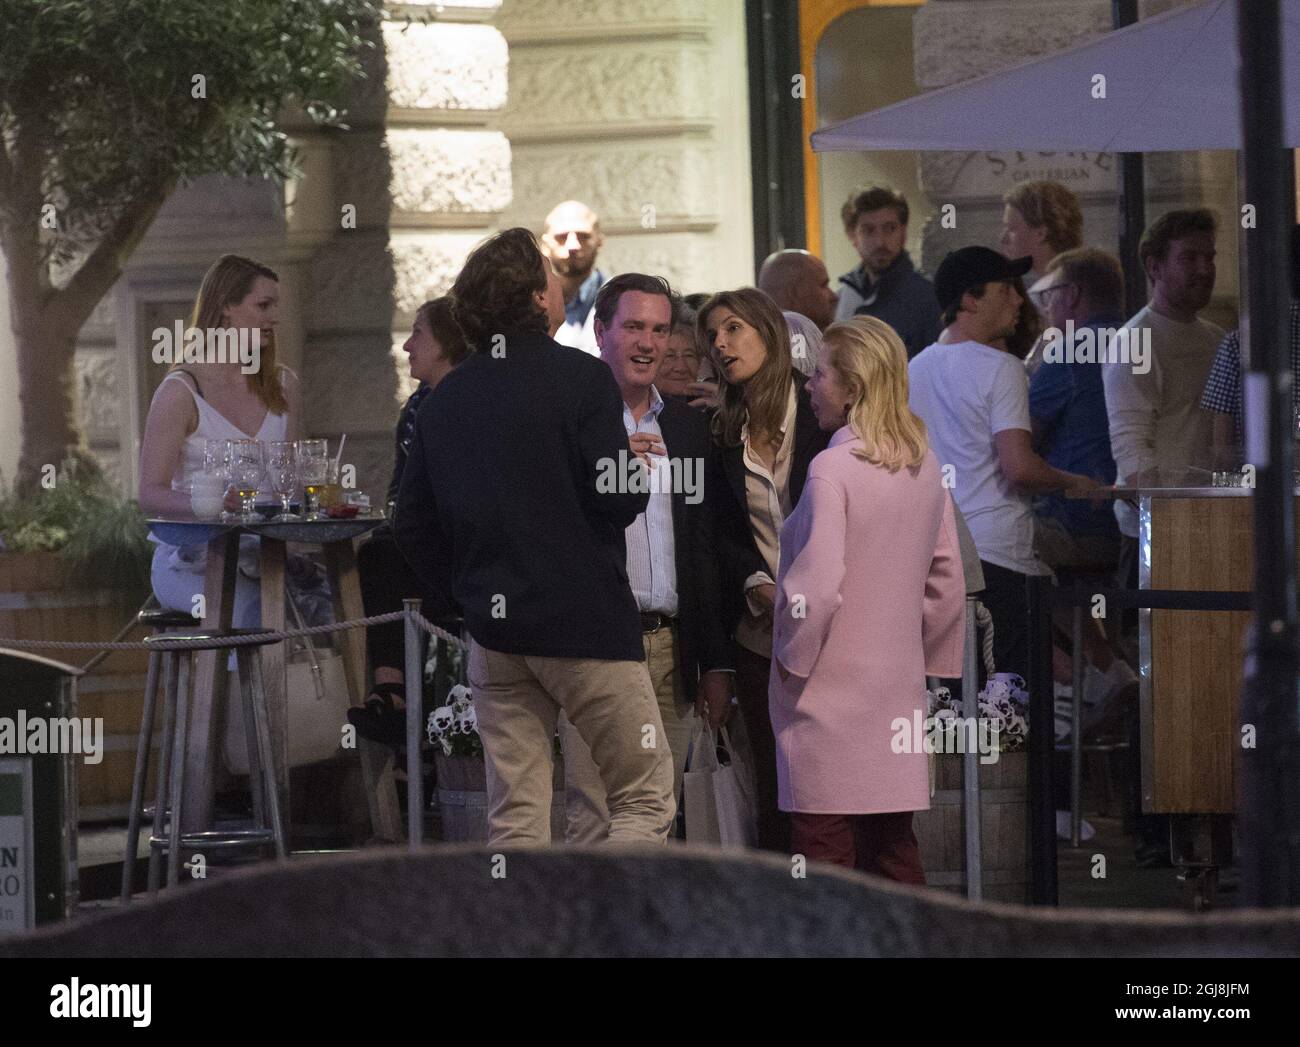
313 470
216 466
207 495
246 474
282 469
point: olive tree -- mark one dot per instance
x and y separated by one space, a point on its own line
106 107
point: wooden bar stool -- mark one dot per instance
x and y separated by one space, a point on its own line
176 669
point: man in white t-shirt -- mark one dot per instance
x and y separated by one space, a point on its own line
1153 391
974 400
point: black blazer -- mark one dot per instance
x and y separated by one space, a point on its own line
499 504
700 642
729 533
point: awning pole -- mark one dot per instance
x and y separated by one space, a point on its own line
1270 780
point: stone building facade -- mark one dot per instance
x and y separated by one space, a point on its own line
476 115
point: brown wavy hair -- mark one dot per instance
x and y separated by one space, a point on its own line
1029 325
1052 206
437 313
228 282
763 398
494 291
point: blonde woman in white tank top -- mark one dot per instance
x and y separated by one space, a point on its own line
197 402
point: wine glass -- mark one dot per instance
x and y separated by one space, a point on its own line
246 475
313 470
282 469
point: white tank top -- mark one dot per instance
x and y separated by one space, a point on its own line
213 425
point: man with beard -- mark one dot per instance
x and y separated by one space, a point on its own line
1154 412
571 241
886 285
1155 418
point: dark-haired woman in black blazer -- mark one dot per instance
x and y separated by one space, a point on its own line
765 436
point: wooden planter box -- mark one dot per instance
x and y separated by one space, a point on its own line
38 601
1004 824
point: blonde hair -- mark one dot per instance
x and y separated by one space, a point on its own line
871 362
1049 205
764 407
228 282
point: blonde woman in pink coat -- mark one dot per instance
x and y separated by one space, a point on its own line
870 599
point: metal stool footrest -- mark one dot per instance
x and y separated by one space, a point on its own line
219 839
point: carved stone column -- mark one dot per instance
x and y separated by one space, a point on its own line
639 109
417 181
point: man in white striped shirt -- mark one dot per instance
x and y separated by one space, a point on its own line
667 561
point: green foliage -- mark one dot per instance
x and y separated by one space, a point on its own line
101 536
102 94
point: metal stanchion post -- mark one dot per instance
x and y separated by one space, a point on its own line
414 710
1042 808
1076 726
970 760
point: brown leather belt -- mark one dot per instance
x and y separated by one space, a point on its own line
653 621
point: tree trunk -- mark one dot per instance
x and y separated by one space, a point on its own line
47 391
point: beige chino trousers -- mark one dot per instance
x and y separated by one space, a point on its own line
587 814
612 707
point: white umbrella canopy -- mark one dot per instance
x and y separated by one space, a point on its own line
1171 83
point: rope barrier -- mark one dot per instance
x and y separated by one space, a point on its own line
440 633
984 621
206 644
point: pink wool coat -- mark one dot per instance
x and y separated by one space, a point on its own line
870 599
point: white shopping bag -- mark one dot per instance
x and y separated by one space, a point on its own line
716 797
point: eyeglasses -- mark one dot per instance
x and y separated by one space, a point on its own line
688 357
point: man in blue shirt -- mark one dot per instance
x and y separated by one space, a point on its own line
1082 295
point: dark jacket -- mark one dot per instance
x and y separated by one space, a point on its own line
729 534
902 297
701 644
499 503
403 437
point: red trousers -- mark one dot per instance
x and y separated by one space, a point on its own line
883 844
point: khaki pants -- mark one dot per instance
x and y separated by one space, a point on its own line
587 814
518 698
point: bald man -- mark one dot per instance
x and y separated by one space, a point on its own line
571 242
798 282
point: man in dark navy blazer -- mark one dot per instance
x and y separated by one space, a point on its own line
668 559
506 505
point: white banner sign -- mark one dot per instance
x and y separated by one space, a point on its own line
17 879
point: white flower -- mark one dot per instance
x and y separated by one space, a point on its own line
466 721
460 698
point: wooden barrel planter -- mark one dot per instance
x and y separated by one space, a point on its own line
462 799
1004 824
39 601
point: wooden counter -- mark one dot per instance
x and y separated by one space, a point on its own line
1192 660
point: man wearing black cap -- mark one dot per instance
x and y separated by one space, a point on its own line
974 400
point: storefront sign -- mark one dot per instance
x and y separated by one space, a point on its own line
17 878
